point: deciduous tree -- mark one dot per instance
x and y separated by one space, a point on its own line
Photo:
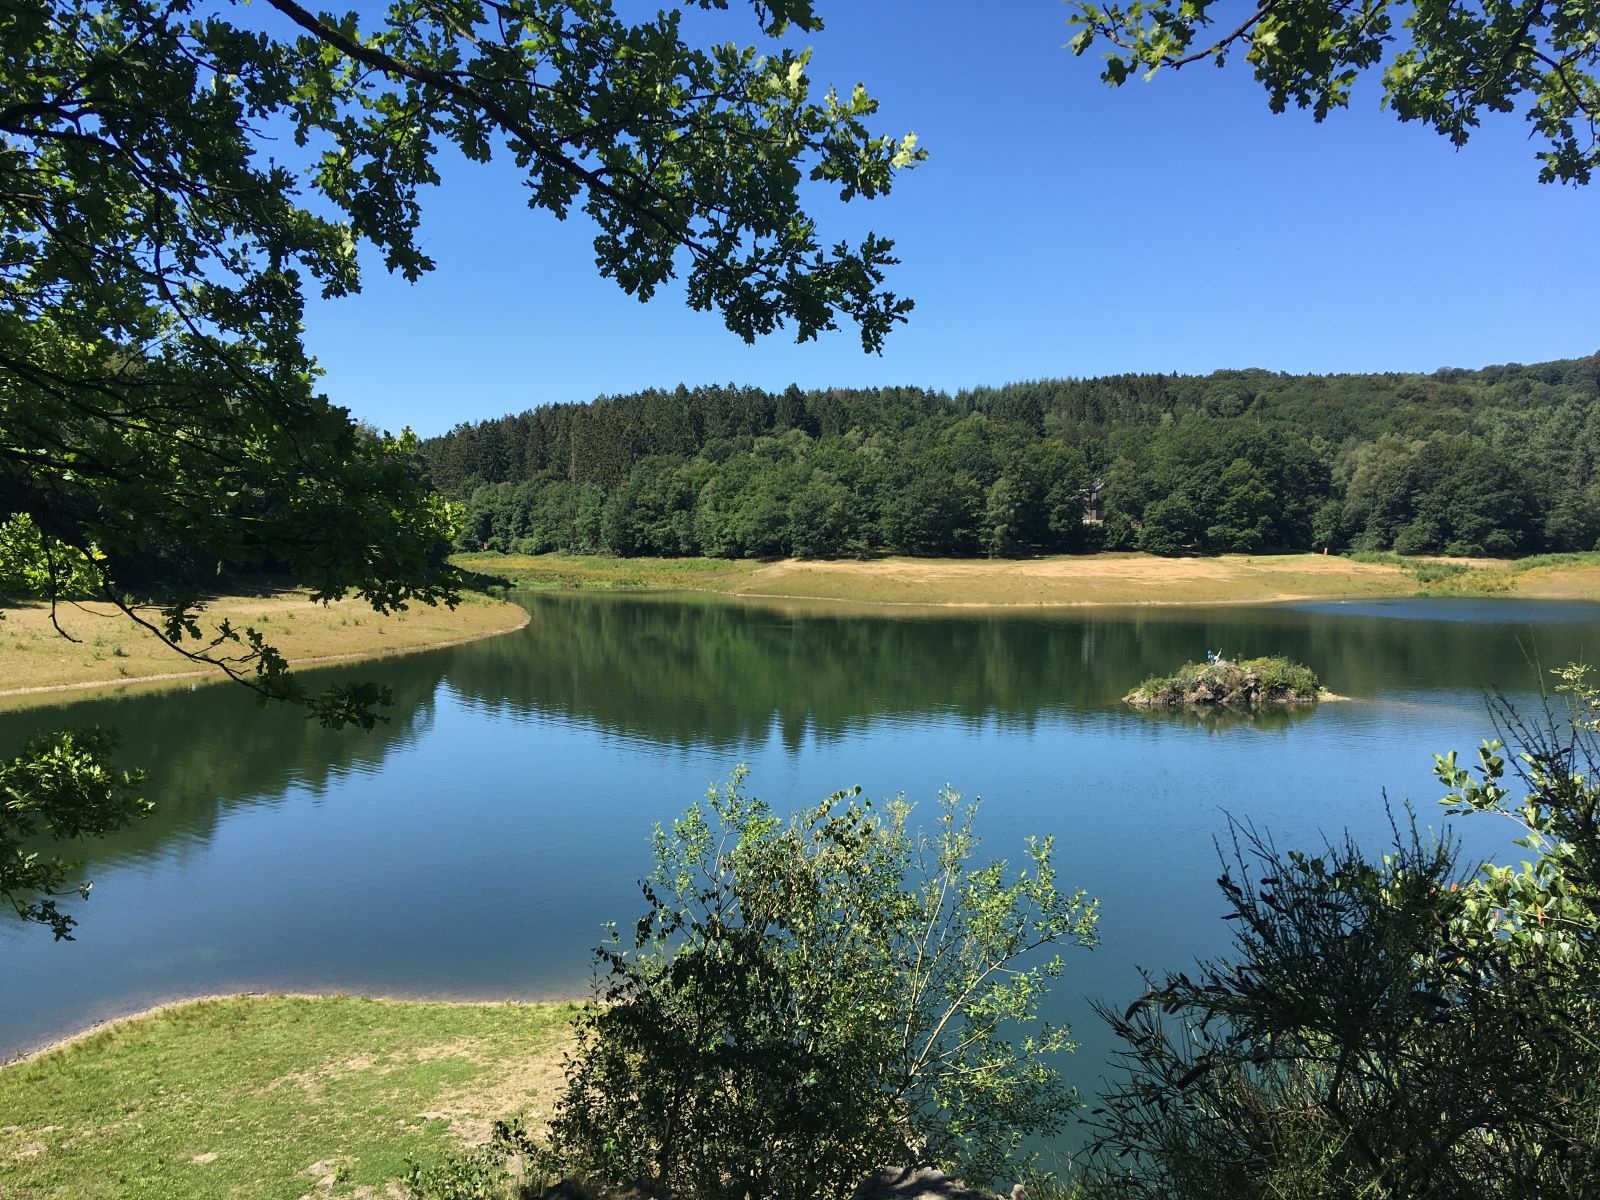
806 1000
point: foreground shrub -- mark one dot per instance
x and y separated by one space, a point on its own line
499 1170
806 1000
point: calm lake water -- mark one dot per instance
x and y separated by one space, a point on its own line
473 846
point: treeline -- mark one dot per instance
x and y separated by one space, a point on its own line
1499 461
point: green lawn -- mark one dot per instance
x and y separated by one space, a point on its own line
271 1097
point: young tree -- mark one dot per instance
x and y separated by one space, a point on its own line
807 1000
1444 62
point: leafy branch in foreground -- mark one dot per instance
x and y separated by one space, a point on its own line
60 787
1444 62
807 1000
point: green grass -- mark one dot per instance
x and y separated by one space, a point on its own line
1424 571
1582 558
1493 578
272 1097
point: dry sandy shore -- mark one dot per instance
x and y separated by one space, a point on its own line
106 650
1076 580
1064 580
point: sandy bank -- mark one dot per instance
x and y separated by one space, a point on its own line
1109 579
110 653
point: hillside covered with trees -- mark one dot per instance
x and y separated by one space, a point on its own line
1499 461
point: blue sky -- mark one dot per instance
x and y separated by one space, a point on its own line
1059 228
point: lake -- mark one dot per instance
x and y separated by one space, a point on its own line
473 846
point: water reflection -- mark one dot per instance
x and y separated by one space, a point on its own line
704 672
701 674
215 746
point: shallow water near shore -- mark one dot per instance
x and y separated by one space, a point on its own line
473 846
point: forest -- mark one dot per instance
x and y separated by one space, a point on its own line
1498 461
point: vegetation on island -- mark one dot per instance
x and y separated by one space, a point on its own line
1496 462
1226 683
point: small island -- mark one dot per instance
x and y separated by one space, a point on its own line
1248 683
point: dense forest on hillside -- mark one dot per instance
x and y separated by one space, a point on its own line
1499 461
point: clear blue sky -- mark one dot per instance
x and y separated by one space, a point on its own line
1059 228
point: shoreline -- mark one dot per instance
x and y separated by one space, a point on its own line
1026 605
202 675
1112 579
108 1024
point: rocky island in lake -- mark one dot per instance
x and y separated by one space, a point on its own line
1248 683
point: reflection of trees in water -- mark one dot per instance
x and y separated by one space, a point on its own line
214 747
693 673
1217 719
702 672
1358 653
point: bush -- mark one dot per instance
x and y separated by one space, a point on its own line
1282 676
512 1166
807 1000
1436 572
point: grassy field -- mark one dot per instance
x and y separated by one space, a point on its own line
110 649
1069 580
271 1097
1541 577
594 573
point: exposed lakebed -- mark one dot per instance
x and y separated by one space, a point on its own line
473 846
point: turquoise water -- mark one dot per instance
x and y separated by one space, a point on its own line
473 846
